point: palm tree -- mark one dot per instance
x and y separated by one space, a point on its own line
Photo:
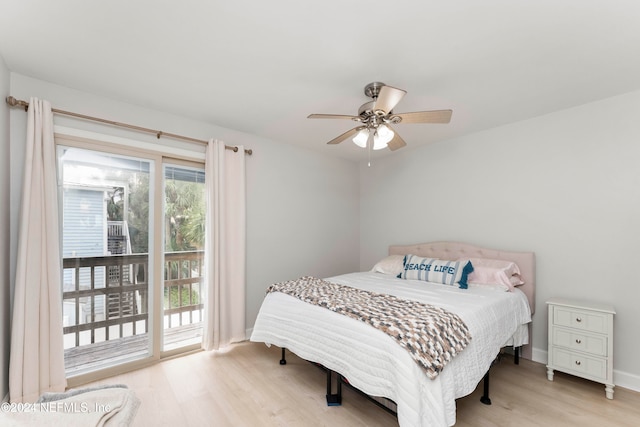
184 215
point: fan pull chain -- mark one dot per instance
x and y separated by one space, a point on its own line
370 144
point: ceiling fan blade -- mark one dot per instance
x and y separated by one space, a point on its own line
345 135
331 116
435 116
396 143
388 98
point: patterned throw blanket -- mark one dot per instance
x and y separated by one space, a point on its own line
432 335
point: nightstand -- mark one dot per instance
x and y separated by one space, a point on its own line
581 340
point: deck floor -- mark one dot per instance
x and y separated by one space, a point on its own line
92 356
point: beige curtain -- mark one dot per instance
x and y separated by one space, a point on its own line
224 246
37 352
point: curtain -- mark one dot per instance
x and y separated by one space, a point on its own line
225 251
36 362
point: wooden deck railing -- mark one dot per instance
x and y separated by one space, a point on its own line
183 273
122 298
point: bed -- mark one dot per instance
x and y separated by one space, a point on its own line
374 363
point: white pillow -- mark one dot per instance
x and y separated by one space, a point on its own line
393 264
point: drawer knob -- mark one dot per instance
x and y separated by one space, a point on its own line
578 319
578 363
578 341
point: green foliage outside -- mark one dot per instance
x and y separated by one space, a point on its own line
184 213
174 300
183 229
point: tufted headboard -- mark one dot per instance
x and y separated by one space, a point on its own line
454 250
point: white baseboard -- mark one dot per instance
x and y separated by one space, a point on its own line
539 356
626 380
620 378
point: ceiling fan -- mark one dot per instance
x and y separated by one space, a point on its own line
377 116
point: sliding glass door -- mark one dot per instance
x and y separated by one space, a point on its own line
133 248
106 200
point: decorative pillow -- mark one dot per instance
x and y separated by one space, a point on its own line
393 264
495 273
436 270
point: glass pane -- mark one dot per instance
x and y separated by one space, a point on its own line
105 242
183 259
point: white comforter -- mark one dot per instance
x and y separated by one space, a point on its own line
373 362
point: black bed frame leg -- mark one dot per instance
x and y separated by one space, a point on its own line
334 399
485 396
516 355
283 361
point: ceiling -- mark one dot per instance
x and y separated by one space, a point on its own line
262 66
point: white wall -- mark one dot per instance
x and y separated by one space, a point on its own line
302 207
565 185
4 231
302 218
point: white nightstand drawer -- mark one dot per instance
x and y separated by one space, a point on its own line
580 364
574 340
580 319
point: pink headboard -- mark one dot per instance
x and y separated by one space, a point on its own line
454 250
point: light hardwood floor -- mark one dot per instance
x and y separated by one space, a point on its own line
245 386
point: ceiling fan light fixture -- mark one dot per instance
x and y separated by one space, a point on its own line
361 138
382 137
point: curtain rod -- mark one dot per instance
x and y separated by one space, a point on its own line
20 103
